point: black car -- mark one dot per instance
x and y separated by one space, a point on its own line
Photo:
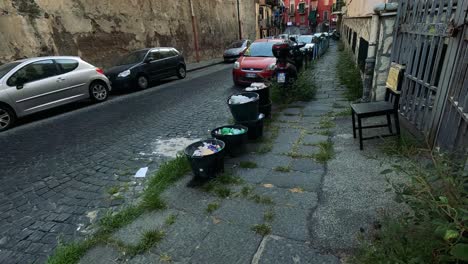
137 69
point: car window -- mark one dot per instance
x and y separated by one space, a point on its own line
34 72
6 68
174 52
165 53
260 49
132 58
67 65
155 55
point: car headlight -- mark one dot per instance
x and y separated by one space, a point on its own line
124 74
271 67
236 65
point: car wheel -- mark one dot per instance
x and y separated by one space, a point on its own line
142 82
7 118
181 72
99 91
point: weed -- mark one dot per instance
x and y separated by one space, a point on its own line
326 152
111 222
303 89
268 216
212 207
327 133
171 219
265 148
150 239
343 113
326 123
246 191
248 164
222 191
165 258
339 106
402 146
349 75
262 229
71 253
261 199
113 190
282 169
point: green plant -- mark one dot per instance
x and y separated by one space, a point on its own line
327 133
344 113
349 75
268 216
303 89
282 169
212 207
247 164
113 190
246 190
261 199
326 152
262 229
171 219
150 238
326 122
434 231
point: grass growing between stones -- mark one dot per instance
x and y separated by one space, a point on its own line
267 142
268 216
303 89
434 229
261 199
220 185
149 240
167 174
326 152
212 207
282 169
171 219
349 75
345 113
247 164
113 190
262 229
326 122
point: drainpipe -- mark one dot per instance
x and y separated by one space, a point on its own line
195 32
239 20
371 53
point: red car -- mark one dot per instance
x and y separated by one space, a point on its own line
256 64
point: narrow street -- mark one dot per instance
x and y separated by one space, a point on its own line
56 171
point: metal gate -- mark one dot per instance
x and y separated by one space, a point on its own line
426 41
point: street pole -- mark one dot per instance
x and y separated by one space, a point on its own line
195 32
239 20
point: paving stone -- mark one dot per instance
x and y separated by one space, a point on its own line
295 179
282 147
227 244
271 161
292 111
132 233
255 175
314 139
289 118
151 258
289 197
192 200
307 165
184 235
288 135
100 255
291 223
307 150
241 212
279 250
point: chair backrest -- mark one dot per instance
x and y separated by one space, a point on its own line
393 85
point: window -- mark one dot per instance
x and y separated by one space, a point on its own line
301 8
165 53
155 55
325 15
33 72
67 65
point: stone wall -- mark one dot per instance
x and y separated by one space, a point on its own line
362 27
100 31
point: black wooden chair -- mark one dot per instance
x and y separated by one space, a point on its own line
386 108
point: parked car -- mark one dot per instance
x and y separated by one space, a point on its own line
138 69
308 49
32 85
256 64
233 52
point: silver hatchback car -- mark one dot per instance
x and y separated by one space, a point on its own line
32 85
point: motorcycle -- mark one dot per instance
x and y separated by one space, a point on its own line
289 61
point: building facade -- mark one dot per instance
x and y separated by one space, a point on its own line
269 18
310 16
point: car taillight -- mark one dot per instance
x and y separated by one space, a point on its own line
100 71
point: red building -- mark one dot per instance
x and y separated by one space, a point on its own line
309 15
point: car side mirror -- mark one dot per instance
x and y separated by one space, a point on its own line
293 39
148 60
20 82
301 44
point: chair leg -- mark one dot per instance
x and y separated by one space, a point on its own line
389 123
354 124
361 147
397 124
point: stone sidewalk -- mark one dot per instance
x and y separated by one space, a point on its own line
284 203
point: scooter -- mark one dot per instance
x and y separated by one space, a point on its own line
289 59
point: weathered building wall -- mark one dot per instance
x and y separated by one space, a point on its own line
362 27
100 31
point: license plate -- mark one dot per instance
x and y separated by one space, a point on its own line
281 77
250 75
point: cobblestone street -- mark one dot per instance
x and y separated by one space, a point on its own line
57 172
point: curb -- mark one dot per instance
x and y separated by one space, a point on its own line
205 66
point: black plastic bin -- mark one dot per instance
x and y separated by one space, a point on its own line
255 127
265 109
206 167
264 96
235 144
247 111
